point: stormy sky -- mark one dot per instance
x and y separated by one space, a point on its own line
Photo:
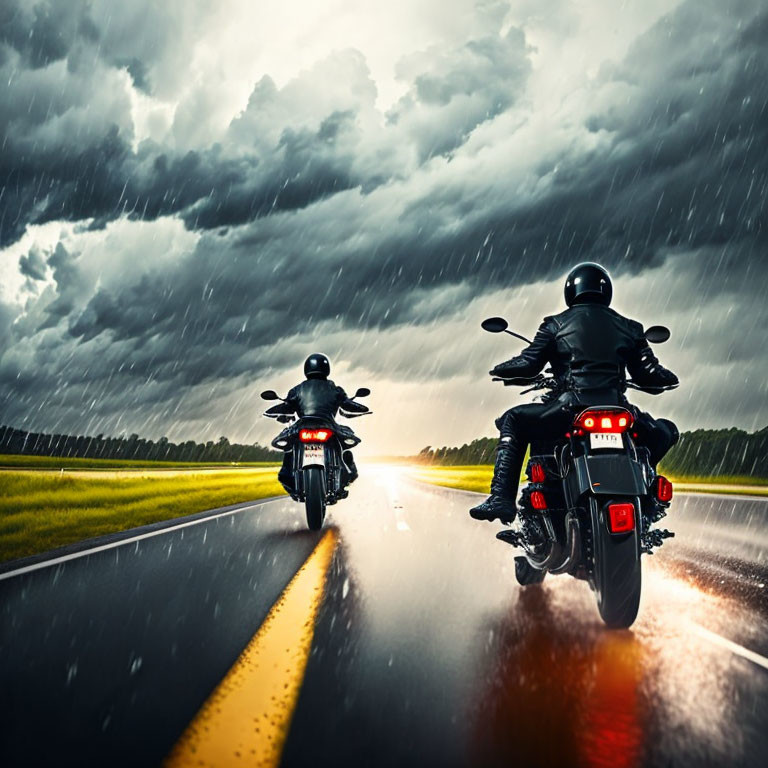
196 195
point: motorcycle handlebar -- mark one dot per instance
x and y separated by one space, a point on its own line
651 390
549 382
538 382
283 418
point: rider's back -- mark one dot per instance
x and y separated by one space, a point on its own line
590 346
316 397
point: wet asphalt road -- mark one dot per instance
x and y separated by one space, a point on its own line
426 652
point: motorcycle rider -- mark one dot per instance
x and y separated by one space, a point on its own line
317 396
589 347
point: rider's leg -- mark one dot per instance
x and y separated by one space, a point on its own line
518 426
501 502
657 435
349 460
510 454
672 433
285 475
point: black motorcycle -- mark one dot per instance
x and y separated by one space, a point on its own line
590 501
320 475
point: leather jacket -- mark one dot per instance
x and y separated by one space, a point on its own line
590 348
319 398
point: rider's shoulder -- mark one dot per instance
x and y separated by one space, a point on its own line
553 322
330 385
634 326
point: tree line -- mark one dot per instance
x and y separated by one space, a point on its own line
703 452
133 447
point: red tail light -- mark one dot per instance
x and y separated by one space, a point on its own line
315 435
596 420
621 518
538 501
663 489
538 475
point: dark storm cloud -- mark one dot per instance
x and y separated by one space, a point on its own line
104 179
214 193
136 35
336 222
464 86
33 265
64 162
686 166
45 32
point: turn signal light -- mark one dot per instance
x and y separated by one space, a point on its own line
538 475
315 435
621 518
663 489
596 420
538 501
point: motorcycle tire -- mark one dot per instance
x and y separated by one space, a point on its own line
617 572
314 497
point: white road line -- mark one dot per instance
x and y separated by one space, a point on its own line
729 645
704 495
121 542
729 496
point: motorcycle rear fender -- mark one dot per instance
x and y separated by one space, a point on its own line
332 465
606 475
305 461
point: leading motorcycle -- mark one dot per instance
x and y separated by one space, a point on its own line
591 499
320 476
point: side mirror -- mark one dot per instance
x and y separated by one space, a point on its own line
657 334
494 325
269 394
363 392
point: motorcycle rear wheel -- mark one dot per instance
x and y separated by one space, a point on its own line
617 571
314 495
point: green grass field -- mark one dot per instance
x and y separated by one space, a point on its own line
57 462
477 477
44 509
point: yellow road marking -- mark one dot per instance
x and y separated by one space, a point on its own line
245 720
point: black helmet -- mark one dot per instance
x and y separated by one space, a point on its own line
317 366
588 282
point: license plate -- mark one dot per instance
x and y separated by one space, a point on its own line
600 440
313 454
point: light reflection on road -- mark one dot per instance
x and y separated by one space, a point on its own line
559 693
554 686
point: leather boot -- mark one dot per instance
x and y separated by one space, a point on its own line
506 476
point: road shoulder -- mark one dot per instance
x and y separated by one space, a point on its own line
24 564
